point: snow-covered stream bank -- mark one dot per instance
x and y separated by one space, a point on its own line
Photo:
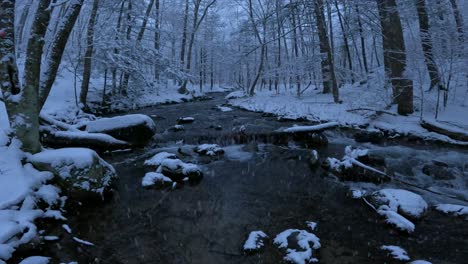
258 187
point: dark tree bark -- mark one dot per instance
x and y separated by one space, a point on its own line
395 55
328 71
54 58
88 54
426 43
22 102
345 40
458 19
363 42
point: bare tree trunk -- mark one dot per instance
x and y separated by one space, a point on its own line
196 25
88 54
345 40
458 19
363 42
126 75
295 49
22 102
116 50
21 24
52 62
426 43
184 36
156 34
328 71
395 55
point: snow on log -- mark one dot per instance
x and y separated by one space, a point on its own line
54 122
96 141
445 129
315 128
136 129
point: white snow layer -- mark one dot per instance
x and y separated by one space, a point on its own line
21 186
404 201
151 178
157 159
304 240
396 252
35 260
209 149
255 240
454 209
107 124
225 108
319 127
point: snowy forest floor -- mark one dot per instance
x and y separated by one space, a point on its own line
358 110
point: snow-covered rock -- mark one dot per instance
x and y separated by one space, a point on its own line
255 241
35 260
419 262
395 219
312 225
396 252
298 245
157 159
155 178
453 209
185 120
209 150
136 129
404 202
80 172
314 158
177 170
224 108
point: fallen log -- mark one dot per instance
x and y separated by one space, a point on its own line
444 129
96 141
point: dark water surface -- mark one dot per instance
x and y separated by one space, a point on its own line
272 191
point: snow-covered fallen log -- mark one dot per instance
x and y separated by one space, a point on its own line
314 128
54 122
96 141
445 129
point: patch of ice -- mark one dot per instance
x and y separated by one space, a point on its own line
396 252
157 159
151 178
304 240
454 209
255 241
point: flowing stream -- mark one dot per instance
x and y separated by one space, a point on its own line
256 187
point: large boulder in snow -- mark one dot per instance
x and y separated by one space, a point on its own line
136 129
406 203
80 172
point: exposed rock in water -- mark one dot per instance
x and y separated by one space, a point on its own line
136 129
314 158
372 136
358 165
177 128
185 120
209 150
79 172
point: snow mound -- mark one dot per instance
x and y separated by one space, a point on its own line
396 252
395 219
402 201
152 178
320 127
255 241
225 108
35 260
303 253
107 124
454 209
157 159
236 94
209 150
176 164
